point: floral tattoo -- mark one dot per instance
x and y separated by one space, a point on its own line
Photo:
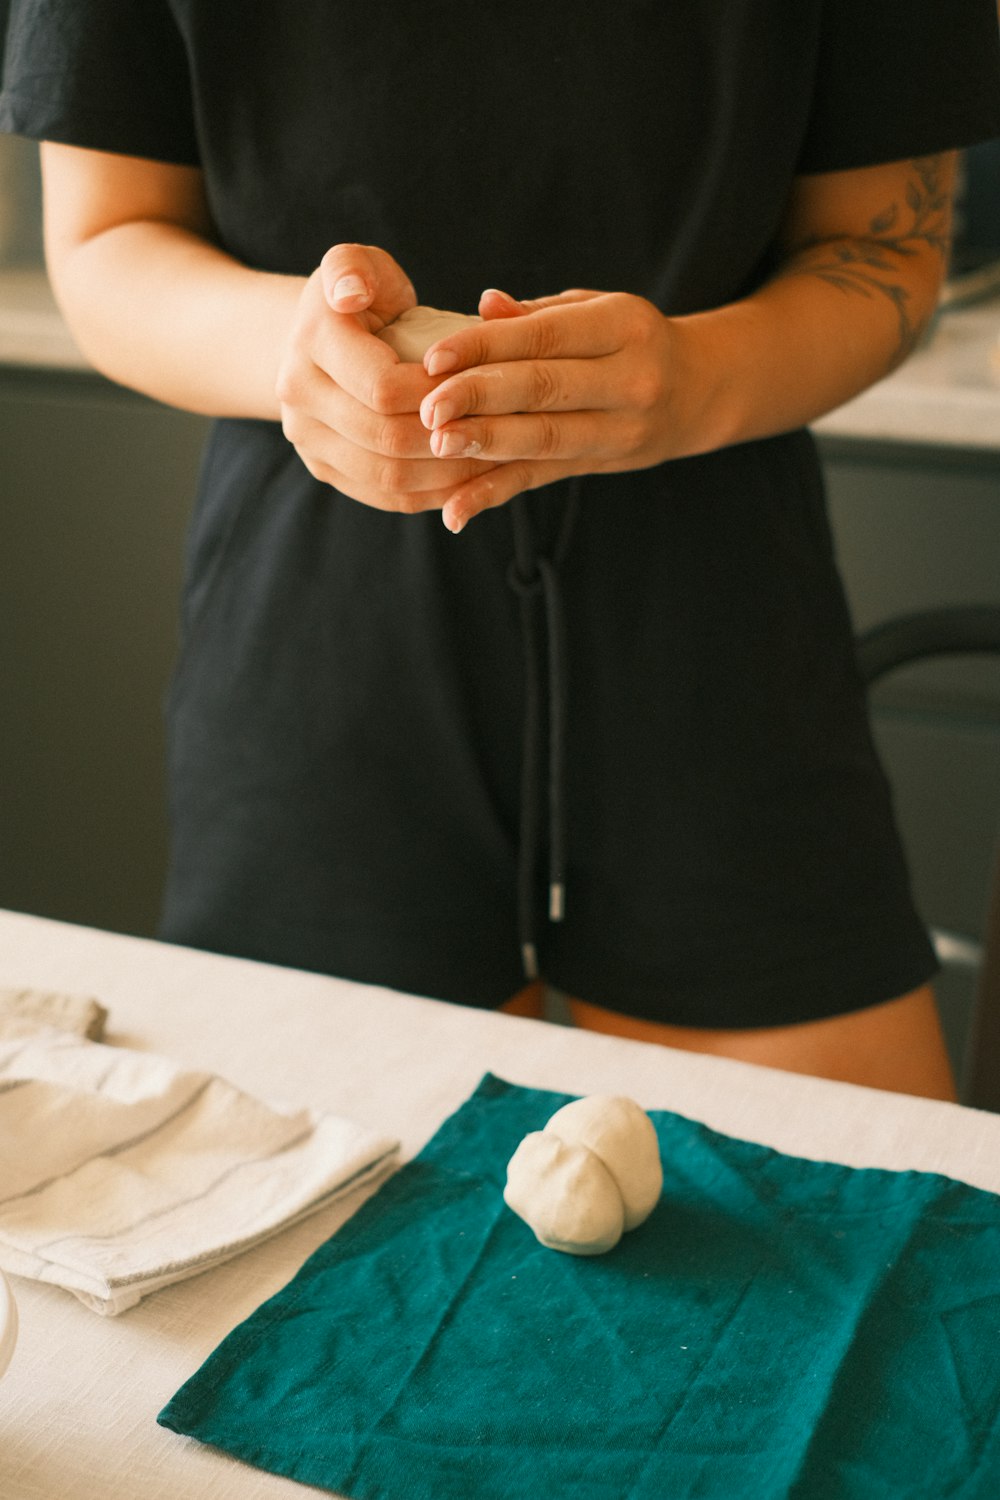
864 263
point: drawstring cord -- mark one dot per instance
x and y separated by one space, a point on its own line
525 589
529 576
556 623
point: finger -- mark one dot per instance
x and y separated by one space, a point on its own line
496 304
364 278
320 447
494 489
524 386
594 436
402 504
353 359
580 328
341 348
321 399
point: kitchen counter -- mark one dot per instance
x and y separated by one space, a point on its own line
33 334
947 394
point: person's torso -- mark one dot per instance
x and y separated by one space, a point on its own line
621 144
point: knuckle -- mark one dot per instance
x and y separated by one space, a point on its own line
635 436
381 397
382 474
391 438
340 255
519 477
548 441
645 388
406 502
392 476
635 311
319 471
545 393
288 385
545 337
472 350
311 310
473 396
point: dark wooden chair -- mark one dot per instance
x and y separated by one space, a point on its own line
965 630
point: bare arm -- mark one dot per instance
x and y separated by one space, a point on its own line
156 304
865 254
151 300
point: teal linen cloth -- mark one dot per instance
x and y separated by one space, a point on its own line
777 1328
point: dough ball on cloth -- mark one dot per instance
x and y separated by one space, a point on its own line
624 1137
593 1172
566 1194
415 330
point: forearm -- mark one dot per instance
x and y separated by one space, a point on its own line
843 310
158 308
795 350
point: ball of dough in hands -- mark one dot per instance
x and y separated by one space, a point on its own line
592 1173
414 331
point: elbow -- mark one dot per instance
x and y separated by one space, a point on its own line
75 277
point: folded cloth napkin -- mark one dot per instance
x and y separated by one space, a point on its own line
121 1172
79 1013
777 1328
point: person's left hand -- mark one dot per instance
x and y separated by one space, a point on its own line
580 383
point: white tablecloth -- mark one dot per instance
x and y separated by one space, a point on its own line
78 1405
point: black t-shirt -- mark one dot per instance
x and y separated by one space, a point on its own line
349 710
629 145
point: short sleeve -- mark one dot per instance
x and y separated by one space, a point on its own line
902 78
108 74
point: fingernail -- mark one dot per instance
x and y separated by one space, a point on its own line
441 361
453 523
349 286
454 445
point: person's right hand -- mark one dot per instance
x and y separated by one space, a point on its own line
349 407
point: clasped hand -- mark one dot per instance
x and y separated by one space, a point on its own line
571 384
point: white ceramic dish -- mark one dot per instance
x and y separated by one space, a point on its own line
8 1323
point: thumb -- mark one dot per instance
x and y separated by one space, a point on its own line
365 279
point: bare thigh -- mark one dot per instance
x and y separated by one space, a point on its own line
527 1002
897 1045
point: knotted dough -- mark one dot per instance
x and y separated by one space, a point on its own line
593 1172
414 331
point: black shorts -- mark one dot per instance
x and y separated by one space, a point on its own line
347 733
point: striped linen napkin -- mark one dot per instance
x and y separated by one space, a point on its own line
121 1172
